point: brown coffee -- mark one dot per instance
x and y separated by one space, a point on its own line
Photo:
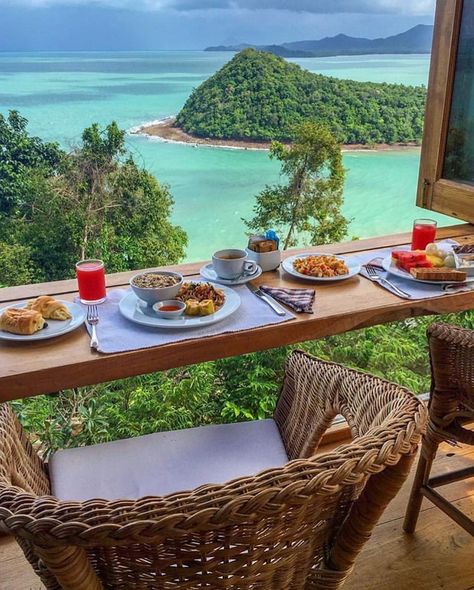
229 257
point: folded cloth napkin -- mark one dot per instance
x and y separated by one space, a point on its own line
301 300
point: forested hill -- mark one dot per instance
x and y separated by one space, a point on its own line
258 95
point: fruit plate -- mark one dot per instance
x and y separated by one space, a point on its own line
139 312
351 262
393 269
54 327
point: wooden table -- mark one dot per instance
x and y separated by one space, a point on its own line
48 366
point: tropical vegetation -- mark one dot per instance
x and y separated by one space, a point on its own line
306 207
259 96
57 207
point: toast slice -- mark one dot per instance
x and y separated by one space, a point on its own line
438 274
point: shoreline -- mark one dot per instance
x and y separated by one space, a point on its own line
165 130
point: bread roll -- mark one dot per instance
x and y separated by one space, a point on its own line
21 321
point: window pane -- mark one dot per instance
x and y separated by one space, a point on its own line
459 159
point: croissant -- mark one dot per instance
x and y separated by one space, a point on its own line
49 308
21 321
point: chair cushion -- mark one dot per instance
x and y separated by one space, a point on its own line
166 462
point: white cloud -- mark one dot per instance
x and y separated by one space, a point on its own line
400 7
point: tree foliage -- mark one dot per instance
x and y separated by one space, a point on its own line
15 265
308 206
94 202
21 153
257 95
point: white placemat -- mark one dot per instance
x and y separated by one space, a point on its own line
117 334
414 289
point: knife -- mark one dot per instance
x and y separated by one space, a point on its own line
268 300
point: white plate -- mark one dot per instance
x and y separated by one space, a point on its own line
208 272
54 327
137 311
351 262
393 269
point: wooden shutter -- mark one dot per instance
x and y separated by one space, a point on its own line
446 181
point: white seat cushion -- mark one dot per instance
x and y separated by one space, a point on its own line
166 462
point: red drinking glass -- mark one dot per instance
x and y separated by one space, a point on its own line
91 281
424 233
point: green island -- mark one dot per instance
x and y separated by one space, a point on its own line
259 96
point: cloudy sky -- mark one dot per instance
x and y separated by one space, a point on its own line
194 24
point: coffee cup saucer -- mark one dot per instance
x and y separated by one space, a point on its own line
208 273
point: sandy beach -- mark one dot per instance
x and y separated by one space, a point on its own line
167 131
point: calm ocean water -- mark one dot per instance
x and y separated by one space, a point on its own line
61 93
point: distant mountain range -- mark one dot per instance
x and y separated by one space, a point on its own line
416 40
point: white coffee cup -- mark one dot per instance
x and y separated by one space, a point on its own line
232 264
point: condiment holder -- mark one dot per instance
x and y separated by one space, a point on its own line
263 250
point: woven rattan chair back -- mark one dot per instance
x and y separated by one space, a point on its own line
452 388
451 406
296 527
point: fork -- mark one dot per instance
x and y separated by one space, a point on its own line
374 276
93 320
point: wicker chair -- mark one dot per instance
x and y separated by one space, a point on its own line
451 405
294 527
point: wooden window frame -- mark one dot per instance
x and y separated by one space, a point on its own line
436 193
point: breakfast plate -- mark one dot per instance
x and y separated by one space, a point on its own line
139 312
208 272
389 266
352 264
53 328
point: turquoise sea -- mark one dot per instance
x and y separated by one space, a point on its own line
61 93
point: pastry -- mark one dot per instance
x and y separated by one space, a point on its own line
206 307
21 321
192 307
49 308
438 274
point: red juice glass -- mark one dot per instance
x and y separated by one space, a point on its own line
91 281
424 233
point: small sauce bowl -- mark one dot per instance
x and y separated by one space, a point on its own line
170 309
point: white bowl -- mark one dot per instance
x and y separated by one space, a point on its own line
169 315
265 260
152 295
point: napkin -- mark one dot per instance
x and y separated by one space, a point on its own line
300 300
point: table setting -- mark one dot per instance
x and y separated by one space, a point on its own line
162 307
423 269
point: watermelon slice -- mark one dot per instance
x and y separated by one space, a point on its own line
396 254
408 260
